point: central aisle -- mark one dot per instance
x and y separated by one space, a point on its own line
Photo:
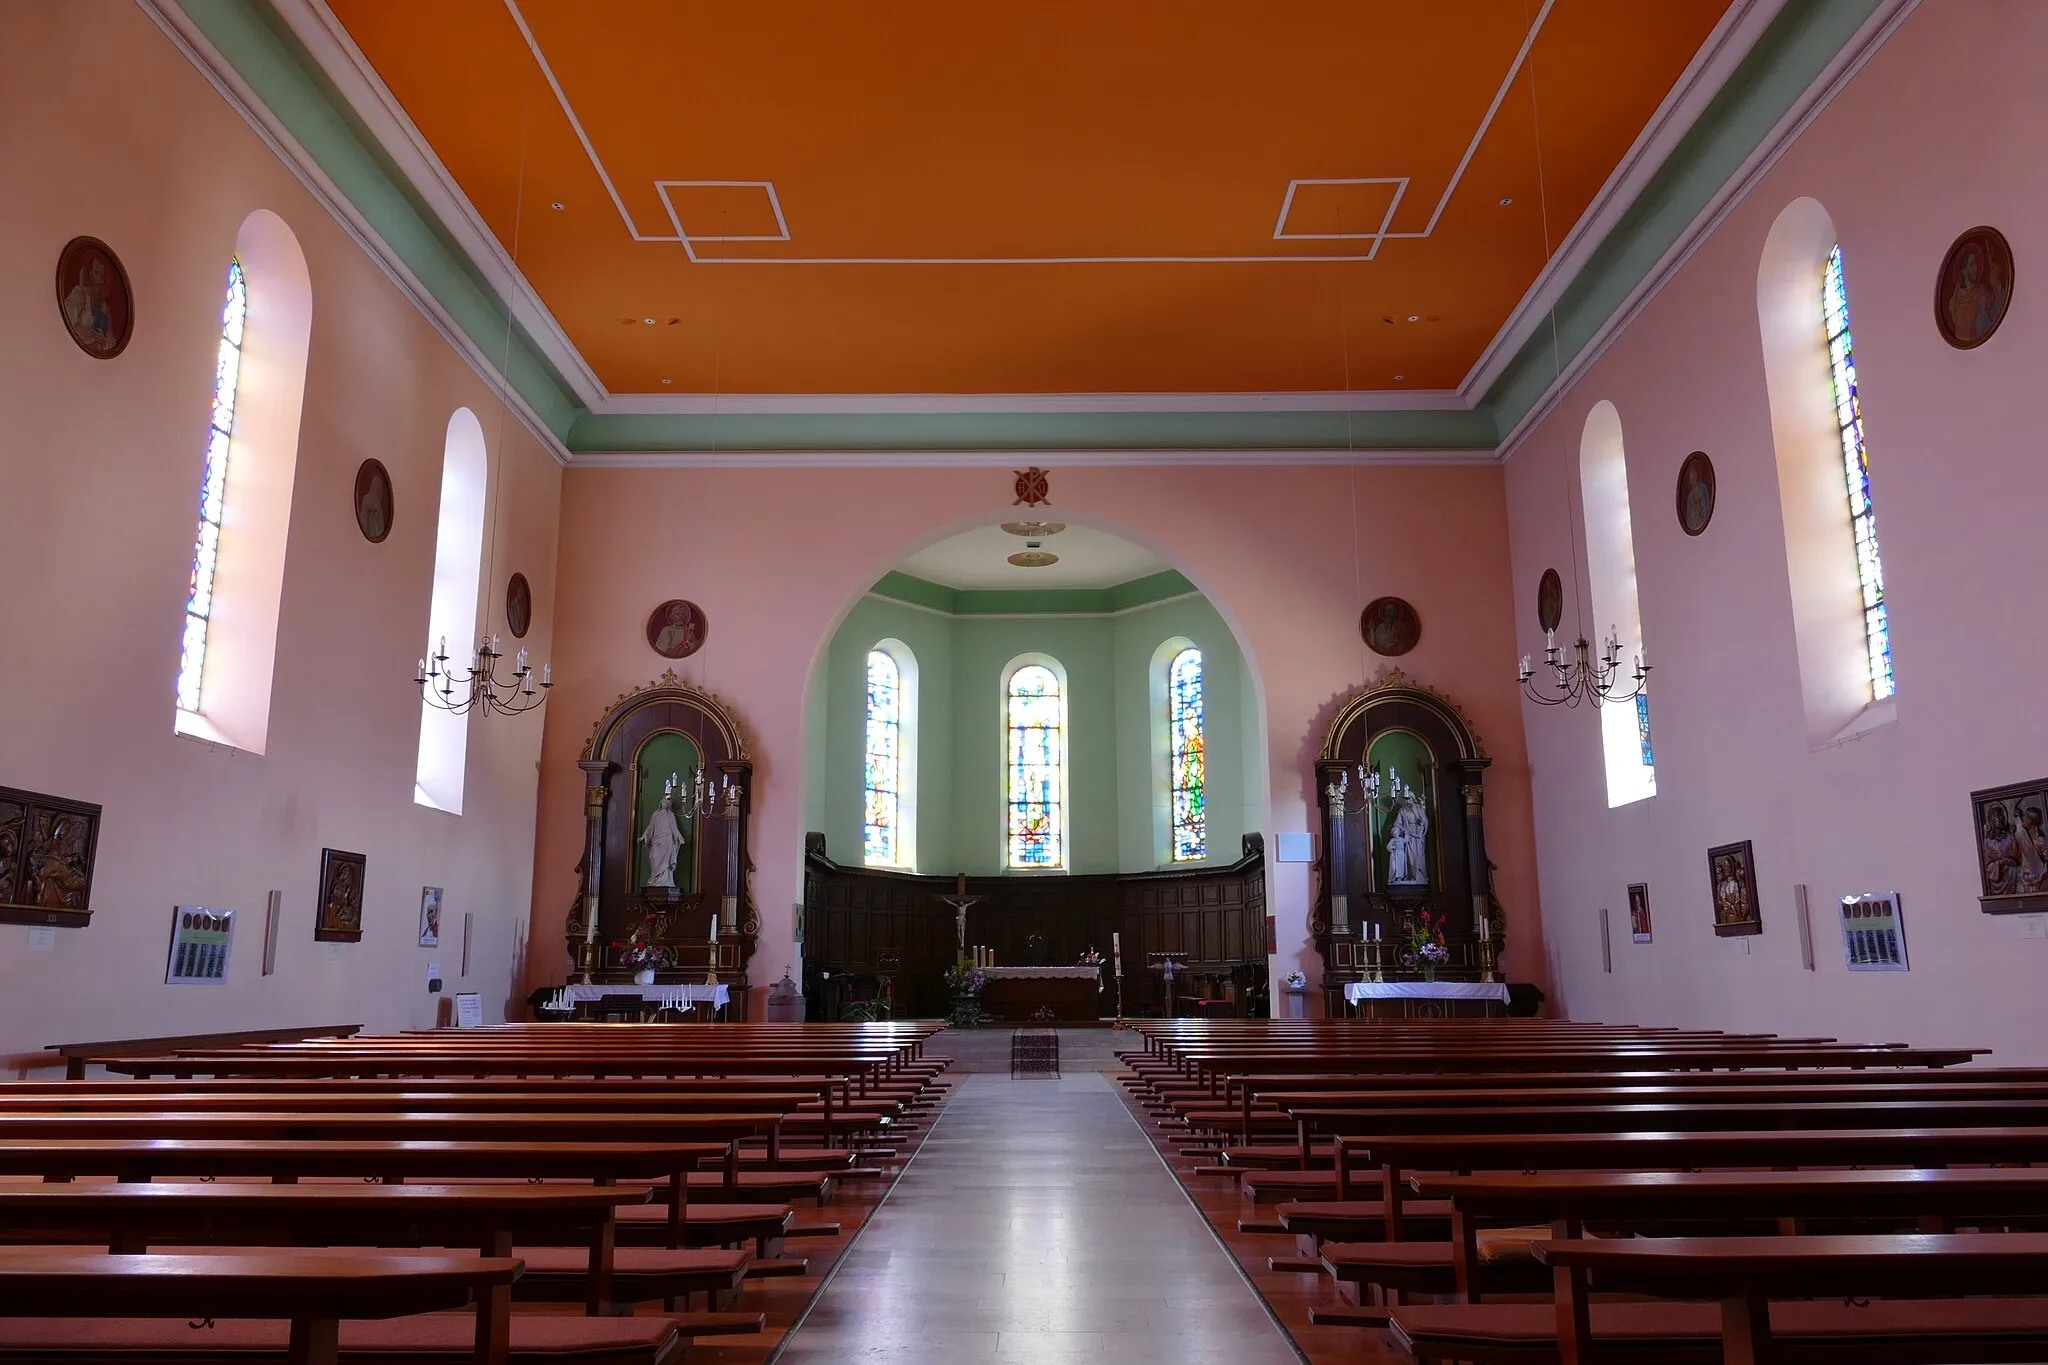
1037 1224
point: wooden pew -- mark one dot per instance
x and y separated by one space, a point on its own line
314 1293
78 1056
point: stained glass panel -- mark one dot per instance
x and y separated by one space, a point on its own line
1037 755
1643 730
1834 302
213 491
883 794
1189 762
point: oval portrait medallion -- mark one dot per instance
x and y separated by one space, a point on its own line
677 628
1549 601
518 606
93 297
1974 288
373 501
1696 492
1390 626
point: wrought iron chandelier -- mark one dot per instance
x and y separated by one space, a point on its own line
480 688
1586 678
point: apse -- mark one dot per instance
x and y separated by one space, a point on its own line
1030 698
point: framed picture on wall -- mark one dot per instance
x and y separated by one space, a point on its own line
1874 932
340 915
1732 868
1639 911
201 940
430 917
2010 828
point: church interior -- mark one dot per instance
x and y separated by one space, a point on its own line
1020 683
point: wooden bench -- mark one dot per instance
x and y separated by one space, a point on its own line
78 1056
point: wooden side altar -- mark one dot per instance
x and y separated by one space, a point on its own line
1400 782
666 801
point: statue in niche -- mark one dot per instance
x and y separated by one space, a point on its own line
1407 842
663 839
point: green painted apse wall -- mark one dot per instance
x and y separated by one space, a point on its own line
1117 818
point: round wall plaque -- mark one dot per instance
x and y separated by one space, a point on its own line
518 606
1696 492
1549 601
677 629
374 504
93 297
1390 626
1974 288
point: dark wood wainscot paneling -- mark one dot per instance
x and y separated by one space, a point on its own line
1212 918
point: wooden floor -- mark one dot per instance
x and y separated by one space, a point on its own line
1290 1296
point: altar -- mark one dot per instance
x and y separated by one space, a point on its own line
1013 994
1425 999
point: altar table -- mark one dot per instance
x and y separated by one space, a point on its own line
667 995
1015 993
1424 999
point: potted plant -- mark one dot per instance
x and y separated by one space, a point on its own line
965 981
639 950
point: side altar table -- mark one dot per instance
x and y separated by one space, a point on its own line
1425 999
1015 993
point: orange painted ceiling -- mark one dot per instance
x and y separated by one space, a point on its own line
1069 196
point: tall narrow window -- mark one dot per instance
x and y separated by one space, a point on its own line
1611 574
1188 763
213 488
1036 749
884 790
451 613
1877 635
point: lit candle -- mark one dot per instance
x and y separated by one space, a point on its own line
714 928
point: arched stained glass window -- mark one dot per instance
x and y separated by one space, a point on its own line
1187 758
213 492
1877 635
1036 816
883 792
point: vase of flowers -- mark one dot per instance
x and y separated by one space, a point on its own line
1426 950
640 951
965 981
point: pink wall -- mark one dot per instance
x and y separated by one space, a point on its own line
115 135
1936 134
776 557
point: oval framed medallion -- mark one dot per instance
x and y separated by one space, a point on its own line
1974 288
93 297
676 629
1696 493
518 606
374 504
1389 626
1549 601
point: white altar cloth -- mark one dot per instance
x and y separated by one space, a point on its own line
669 995
1496 991
1076 973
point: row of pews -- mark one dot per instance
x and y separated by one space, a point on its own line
1542 1191
576 1194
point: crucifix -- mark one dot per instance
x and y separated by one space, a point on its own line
960 900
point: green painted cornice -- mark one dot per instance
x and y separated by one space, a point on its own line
1138 592
1792 54
264 52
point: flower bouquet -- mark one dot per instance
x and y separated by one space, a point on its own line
1295 980
639 950
1426 950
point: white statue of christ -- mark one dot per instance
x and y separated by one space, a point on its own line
663 839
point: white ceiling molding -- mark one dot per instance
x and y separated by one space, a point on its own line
754 405
1833 79
1717 59
170 17
1009 459
337 55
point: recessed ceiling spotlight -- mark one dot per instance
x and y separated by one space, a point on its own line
1032 529
668 381
558 206
1399 377
1415 317
1506 200
1034 559
648 321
